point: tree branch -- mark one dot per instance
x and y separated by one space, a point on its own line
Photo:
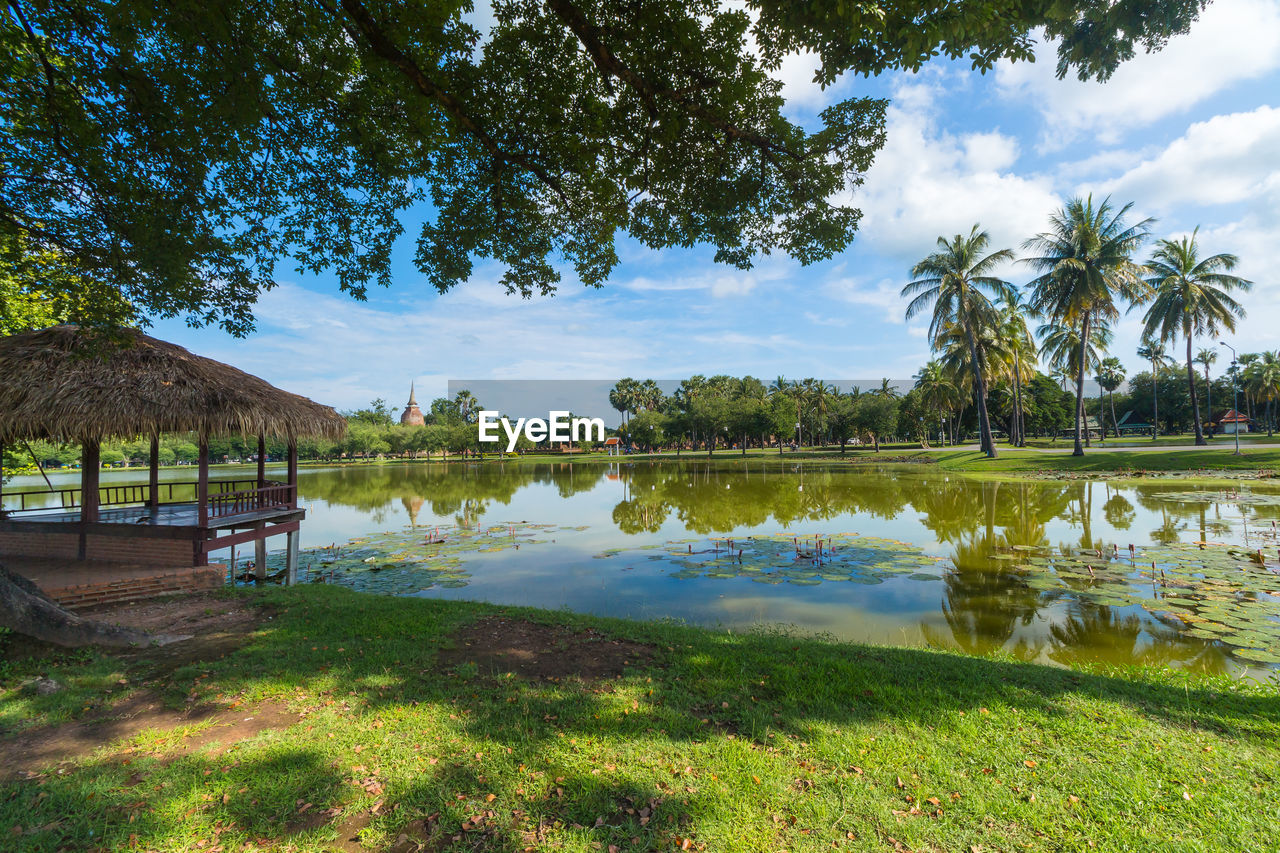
381 44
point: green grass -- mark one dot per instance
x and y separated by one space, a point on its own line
762 742
1215 459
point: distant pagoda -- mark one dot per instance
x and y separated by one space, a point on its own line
412 415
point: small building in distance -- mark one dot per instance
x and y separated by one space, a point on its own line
1233 422
412 415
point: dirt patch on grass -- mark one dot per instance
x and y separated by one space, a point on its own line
31 752
499 645
217 625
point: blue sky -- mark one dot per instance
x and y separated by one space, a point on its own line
1191 135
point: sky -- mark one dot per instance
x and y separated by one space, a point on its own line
1190 135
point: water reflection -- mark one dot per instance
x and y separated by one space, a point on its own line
987 598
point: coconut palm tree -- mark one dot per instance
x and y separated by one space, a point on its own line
1110 375
937 391
1154 352
1262 378
957 282
1205 357
1014 315
1060 347
1191 296
1086 272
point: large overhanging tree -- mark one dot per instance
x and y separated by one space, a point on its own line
177 153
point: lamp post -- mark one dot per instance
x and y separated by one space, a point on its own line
1235 395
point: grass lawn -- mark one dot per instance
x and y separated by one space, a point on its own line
1213 459
393 730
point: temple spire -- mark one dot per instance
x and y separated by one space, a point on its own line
412 415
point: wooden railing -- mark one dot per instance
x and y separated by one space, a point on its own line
272 496
140 494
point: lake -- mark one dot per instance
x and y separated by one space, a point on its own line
1059 572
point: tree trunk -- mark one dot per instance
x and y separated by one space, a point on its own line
27 610
1195 401
1102 414
1114 423
980 389
1208 398
1078 450
1016 433
1155 404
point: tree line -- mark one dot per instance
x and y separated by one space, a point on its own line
1087 276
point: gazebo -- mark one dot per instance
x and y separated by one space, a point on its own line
68 384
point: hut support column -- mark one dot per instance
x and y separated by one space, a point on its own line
202 499
260 553
293 470
291 558
90 467
153 478
262 461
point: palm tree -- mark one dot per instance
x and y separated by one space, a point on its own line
1085 270
1110 375
1061 348
956 281
936 388
625 397
1206 357
649 396
1191 297
1014 331
1262 378
466 403
1153 351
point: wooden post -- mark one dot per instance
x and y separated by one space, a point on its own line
90 466
293 469
202 484
153 479
262 461
260 553
90 463
1 479
291 558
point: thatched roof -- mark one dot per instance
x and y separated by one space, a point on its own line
64 384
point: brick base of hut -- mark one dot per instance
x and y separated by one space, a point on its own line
85 584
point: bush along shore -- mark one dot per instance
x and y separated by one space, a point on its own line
326 719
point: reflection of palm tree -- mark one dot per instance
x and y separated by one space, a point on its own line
640 516
1118 511
986 600
1093 632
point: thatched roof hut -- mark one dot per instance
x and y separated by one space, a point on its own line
63 383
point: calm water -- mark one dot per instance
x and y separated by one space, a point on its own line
903 556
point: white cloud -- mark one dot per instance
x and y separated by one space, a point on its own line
720 281
883 295
1234 40
798 88
927 182
1227 159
